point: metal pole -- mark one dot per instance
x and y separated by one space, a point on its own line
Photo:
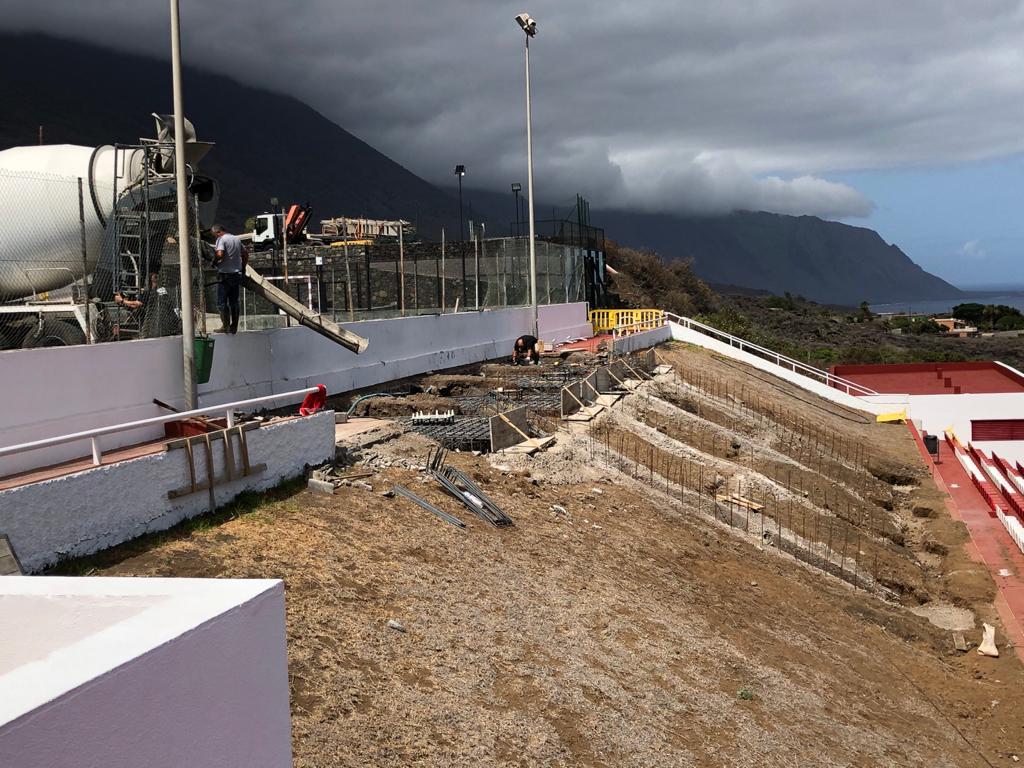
401 267
462 244
476 269
348 287
284 258
85 258
529 193
516 200
184 256
444 275
202 279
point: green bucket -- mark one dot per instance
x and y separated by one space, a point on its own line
204 359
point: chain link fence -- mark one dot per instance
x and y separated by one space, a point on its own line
82 263
362 282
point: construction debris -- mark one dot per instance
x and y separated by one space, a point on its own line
403 491
470 494
988 642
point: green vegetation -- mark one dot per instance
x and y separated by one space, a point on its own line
993 317
918 325
644 279
814 333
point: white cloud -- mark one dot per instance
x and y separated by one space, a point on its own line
972 250
658 104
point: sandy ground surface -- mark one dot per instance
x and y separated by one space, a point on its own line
613 625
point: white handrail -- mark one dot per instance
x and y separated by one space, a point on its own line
850 387
93 434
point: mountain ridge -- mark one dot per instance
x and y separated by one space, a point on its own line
272 145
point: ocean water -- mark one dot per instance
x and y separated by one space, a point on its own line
944 306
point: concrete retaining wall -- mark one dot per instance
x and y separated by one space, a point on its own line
162 673
58 391
642 340
91 510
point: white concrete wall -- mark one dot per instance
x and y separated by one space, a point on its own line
162 673
57 391
642 340
882 404
936 413
91 510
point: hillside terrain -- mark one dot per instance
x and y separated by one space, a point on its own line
826 336
826 261
270 145
820 334
629 618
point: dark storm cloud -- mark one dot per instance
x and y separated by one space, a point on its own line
653 104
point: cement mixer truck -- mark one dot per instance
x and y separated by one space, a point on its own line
81 226
86 234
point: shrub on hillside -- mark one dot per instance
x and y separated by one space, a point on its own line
644 279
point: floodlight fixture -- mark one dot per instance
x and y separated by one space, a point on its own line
528 24
460 170
516 186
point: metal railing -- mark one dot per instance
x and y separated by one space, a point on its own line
605 320
826 378
93 435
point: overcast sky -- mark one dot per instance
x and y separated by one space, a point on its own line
793 106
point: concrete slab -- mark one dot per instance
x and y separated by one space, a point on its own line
357 426
155 672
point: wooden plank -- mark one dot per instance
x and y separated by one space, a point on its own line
217 435
531 447
739 501
586 414
188 491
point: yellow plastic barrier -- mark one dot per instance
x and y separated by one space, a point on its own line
628 320
892 418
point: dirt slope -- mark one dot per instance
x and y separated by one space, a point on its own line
630 629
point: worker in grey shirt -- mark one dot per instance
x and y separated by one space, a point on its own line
231 258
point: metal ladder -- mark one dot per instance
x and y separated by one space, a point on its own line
131 218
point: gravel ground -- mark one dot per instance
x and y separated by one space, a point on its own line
611 626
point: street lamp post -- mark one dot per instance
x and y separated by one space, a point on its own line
529 26
460 171
184 240
516 186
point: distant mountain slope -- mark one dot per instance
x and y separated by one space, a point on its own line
267 145
270 145
823 260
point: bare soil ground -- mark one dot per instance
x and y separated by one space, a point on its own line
617 624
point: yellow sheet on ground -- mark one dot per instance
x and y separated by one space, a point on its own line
892 418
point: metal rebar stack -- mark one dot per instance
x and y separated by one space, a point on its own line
460 486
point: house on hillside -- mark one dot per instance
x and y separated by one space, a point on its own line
952 326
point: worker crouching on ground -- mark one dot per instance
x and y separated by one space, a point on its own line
231 258
525 351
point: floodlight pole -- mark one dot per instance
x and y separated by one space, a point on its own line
529 193
184 249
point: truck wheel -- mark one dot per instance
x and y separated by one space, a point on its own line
54 333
